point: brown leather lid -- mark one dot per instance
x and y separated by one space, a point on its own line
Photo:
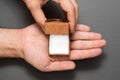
56 26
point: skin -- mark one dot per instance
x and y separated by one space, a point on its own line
31 44
69 6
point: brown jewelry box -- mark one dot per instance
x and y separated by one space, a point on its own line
57 27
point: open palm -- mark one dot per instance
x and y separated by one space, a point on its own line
34 44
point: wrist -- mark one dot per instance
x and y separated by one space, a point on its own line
19 49
10 40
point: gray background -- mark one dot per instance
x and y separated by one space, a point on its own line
102 15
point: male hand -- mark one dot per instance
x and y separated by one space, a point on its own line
69 6
34 46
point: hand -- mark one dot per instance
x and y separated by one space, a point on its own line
69 6
34 45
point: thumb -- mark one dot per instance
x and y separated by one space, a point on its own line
36 11
39 16
60 66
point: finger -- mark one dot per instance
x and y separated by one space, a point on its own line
76 8
86 36
81 27
70 10
60 66
83 54
39 17
37 13
80 45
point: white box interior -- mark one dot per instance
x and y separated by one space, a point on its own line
59 44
